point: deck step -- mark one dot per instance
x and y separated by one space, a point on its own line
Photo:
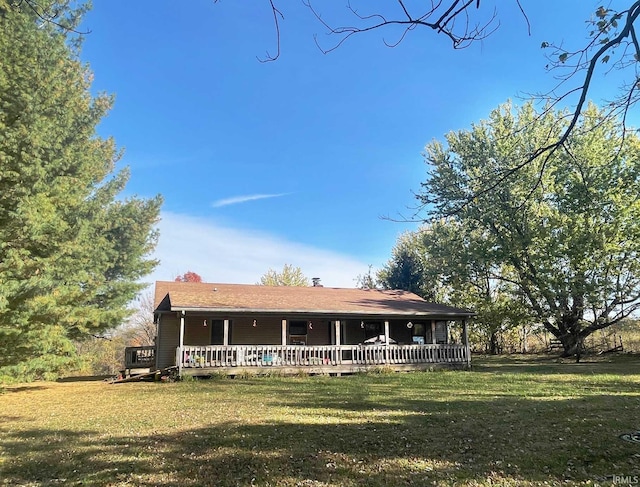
147 375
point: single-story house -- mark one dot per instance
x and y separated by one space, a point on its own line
205 328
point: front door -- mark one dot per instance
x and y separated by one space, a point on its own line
217 332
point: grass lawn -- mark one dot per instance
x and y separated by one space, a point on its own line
510 421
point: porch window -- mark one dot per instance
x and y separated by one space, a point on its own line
373 329
297 332
441 332
421 334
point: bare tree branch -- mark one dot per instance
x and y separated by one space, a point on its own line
444 24
612 41
276 13
49 17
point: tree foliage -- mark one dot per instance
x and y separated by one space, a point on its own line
101 356
188 276
368 280
140 329
407 268
467 279
289 276
435 263
72 250
563 232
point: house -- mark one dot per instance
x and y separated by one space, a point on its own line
230 328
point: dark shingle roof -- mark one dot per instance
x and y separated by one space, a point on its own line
238 298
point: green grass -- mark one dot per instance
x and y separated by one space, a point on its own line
510 421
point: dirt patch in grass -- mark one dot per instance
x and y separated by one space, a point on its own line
508 422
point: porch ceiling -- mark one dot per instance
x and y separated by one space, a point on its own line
241 298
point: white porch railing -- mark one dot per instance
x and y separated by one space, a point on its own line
309 356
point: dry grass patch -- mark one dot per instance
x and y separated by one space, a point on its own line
508 422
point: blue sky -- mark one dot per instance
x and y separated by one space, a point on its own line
295 161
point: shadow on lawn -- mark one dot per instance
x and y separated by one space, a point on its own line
413 442
620 364
85 378
13 389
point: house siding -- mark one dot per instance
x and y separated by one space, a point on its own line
168 338
195 332
268 331
320 334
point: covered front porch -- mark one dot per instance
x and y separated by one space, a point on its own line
315 345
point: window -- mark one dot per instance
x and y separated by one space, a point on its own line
297 328
373 329
297 332
421 334
441 331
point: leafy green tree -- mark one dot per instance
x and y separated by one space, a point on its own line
72 250
563 231
289 276
407 268
434 263
469 280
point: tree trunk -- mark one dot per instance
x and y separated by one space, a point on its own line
573 344
525 333
494 346
569 333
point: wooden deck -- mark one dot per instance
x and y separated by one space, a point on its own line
139 361
140 357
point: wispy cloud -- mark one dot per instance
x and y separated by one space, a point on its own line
225 254
243 199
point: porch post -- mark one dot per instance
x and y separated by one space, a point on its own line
225 332
284 331
157 340
467 347
338 357
181 352
386 341
433 332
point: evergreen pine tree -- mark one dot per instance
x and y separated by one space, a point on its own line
72 251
